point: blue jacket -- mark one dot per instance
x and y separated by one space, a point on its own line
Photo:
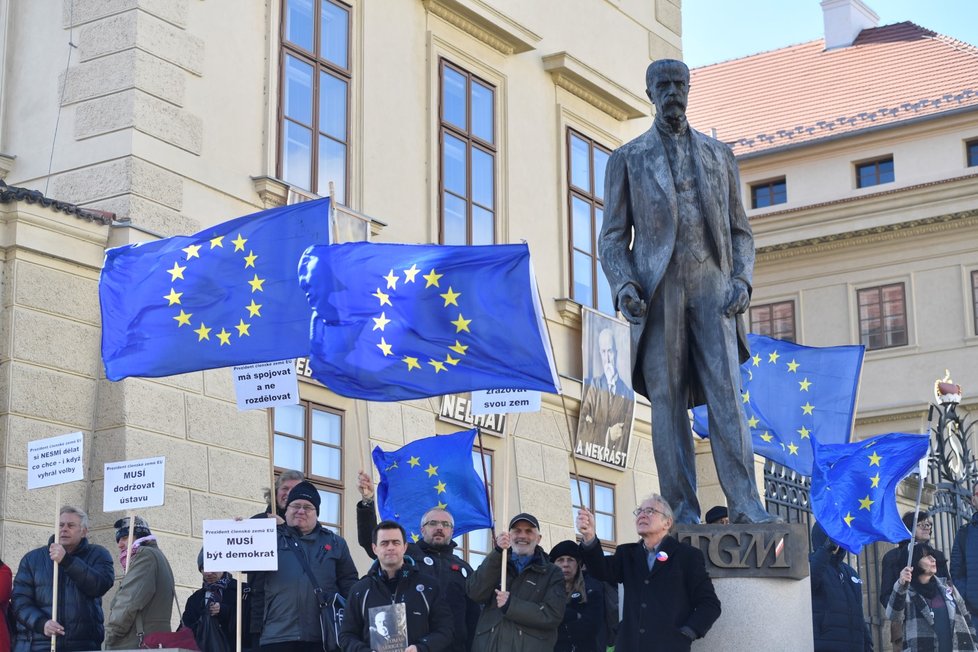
964 563
837 599
83 578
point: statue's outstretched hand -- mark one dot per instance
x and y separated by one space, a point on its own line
739 299
631 305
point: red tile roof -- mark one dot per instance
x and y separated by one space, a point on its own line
802 93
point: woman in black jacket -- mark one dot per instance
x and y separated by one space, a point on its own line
583 622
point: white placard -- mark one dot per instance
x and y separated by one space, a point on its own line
250 545
266 384
55 460
501 401
133 484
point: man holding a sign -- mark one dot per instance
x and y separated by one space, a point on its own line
86 574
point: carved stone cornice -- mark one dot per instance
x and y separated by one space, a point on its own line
596 89
479 20
6 165
873 235
271 191
569 311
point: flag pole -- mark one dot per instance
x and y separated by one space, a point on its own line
485 483
132 523
921 471
54 574
508 471
237 623
366 437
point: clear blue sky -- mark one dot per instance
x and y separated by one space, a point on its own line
717 30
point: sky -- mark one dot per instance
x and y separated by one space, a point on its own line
718 30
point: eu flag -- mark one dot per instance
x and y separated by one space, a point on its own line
793 395
394 322
435 472
854 487
225 296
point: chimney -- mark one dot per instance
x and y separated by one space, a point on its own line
844 19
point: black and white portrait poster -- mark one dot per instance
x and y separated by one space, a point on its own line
388 628
604 427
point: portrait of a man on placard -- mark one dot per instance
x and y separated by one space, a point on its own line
604 426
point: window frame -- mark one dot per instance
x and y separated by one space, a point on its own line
607 545
971 153
974 299
471 140
771 306
322 483
464 548
769 187
595 202
864 335
319 65
878 177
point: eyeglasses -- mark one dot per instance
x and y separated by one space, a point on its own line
927 526
302 508
648 511
448 525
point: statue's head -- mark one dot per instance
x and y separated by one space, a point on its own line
667 85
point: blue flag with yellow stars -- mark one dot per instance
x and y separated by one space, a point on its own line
394 322
435 472
225 296
853 492
793 395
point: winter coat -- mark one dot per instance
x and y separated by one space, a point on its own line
895 561
144 602
6 586
964 563
84 576
918 623
284 607
440 561
837 599
195 609
676 593
584 620
528 622
429 618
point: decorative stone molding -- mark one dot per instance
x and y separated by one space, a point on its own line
569 311
478 19
6 165
580 79
271 191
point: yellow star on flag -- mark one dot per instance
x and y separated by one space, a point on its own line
874 459
803 385
773 356
203 333
756 359
414 461
414 537
192 251
412 363
183 319
254 310
793 366
461 324
459 347
437 364
849 518
225 337
431 278
391 279
409 274
239 243
450 297
242 328
767 437
256 284
250 259
876 481
173 297
865 503
450 360
745 396
804 432
176 272
807 408
440 487
792 449
441 505
384 298
753 421
217 242
380 322
431 470
385 347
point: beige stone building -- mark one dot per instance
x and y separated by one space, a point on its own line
453 121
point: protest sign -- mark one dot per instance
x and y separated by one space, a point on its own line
133 483
250 545
55 460
502 401
266 384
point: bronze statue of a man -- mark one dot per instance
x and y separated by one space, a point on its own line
682 284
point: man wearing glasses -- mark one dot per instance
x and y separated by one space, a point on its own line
284 605
669 598
433 554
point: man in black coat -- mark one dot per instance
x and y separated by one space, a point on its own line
395 604
669 597
85 574
434 554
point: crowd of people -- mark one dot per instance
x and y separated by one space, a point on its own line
420 596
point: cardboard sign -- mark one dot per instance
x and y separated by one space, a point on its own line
501 401
55 460
266 384
250 545
133 484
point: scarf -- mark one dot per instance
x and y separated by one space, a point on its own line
928 590
214 592
136 545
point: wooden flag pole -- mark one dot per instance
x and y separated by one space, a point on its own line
238 615
132 523
54 574
505 510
